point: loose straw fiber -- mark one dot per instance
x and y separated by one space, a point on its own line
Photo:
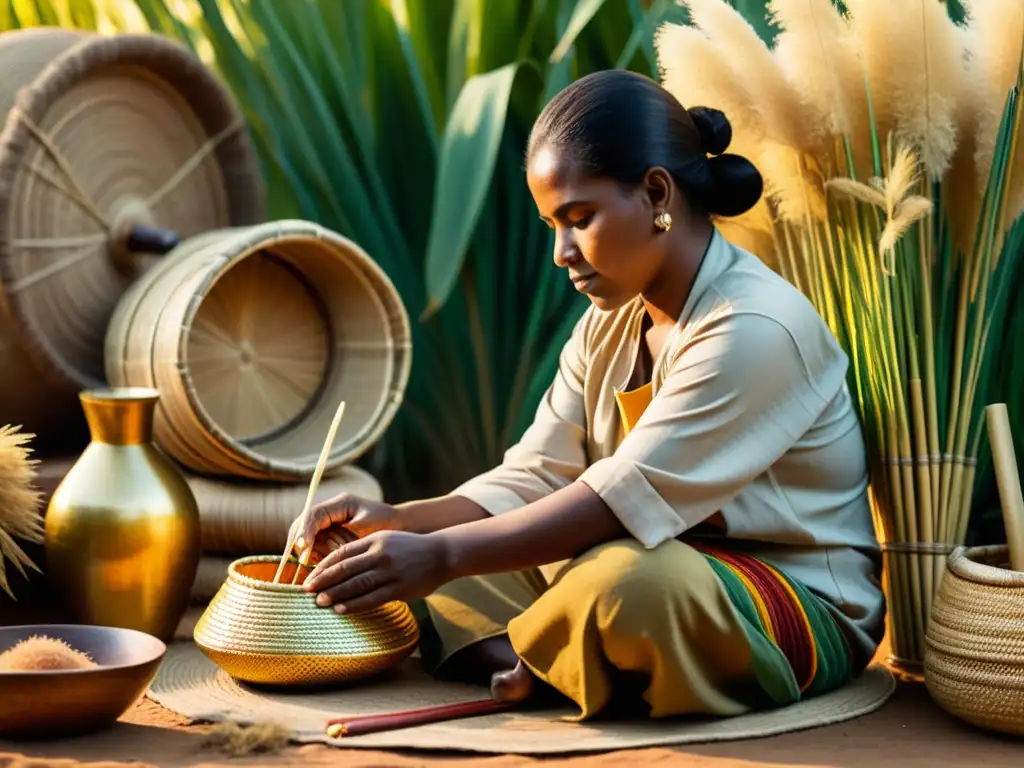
239 518
253 336
99 134
974 645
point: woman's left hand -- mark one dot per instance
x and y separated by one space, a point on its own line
384 566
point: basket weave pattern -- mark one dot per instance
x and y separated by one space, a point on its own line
100 133
974 645
275 634
161 336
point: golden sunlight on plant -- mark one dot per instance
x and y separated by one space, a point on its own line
19 503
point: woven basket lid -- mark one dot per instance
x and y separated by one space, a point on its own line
101 135
253 518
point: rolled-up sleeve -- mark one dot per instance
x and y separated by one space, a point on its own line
737 396
552 452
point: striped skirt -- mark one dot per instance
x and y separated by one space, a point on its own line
782 618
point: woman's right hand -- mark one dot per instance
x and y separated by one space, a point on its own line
339 520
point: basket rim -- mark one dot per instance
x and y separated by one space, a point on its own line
249 240
91 52
235 575
969 563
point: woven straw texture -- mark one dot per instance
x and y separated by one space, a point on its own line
247 518
190 684
99 134
974 646
210 577
253 336
275 634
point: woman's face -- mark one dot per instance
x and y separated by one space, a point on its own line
604 234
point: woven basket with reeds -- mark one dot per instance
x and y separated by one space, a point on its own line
974 658
102 137
253 337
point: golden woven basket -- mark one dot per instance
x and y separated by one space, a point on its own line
253 336
101 137
974 644
275 634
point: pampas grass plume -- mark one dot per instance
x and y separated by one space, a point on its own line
787 119
19 502
996 45
815 51
694 70
914 57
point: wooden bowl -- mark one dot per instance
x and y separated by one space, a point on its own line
275 634
59 703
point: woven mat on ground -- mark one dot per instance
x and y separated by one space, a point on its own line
191 685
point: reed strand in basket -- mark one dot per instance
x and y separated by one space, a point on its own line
888 138
318 473
19 503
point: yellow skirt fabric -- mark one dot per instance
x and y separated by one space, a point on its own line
663 613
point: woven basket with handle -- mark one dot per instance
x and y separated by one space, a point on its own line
111 147
253 336
974 645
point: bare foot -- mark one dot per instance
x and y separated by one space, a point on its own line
477 663
513 685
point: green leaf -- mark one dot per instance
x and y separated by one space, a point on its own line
468 154
582 14
428 90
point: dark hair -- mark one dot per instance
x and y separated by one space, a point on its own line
619 124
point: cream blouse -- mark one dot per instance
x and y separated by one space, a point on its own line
750 417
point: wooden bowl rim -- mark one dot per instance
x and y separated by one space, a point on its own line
51 629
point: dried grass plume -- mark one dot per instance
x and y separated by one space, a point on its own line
19 503
914 57
237 740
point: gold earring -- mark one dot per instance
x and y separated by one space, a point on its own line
663 221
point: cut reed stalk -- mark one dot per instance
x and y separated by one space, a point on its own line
313 485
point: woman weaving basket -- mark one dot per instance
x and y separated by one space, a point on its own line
687 517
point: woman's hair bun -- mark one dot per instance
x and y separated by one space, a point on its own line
736 185
714 128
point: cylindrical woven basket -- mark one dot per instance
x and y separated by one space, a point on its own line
210 577
974 645
246 518
100 134
253 337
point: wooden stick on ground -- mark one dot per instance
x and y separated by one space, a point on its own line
318 473
358 725
1008 480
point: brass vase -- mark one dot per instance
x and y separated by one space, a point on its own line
122 529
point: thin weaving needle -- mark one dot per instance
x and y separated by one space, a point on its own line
313 485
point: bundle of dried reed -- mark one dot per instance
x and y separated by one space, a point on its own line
887 135
19 503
